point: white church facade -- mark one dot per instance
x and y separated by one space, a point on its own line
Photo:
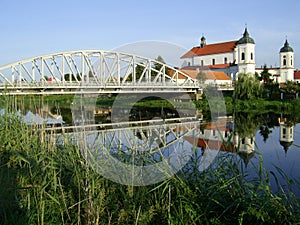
235 57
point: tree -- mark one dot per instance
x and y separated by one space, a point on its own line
290 87
247 87
158 65
201 77
139 69
71 77
265 76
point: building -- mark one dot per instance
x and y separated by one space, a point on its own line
286 133
213 78
238 56
219 136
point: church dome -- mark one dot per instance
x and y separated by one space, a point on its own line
286 145
246 38
286 47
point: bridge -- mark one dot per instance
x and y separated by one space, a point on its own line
148 135
94 72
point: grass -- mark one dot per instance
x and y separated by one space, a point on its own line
43 182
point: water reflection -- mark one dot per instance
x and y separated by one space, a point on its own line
274 136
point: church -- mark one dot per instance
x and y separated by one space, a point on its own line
238 56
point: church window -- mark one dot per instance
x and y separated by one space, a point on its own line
291 62
225 60
251 55
213 61
189 63
284 62
202 63
243 56
243 141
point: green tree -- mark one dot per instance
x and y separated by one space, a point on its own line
158 65
265 76
201 77
247 87
139 69
269 86
68 77
290 87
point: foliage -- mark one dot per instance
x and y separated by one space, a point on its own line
43 182
140 69
72 77
158 66
201 77
265 76
247 87
46 182
290 87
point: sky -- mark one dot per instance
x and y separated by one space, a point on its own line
31 28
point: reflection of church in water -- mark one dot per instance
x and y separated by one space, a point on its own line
286 133
221 136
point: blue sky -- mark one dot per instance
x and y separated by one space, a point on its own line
31 28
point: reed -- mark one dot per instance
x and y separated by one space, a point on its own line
44 182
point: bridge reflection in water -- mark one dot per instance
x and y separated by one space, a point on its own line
155 149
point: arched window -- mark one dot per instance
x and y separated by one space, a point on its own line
251 55
213 61
243 56
243 141
284 62
225 60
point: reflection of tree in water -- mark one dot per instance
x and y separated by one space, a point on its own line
264 131
246 124
269 121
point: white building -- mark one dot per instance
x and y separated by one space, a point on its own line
213 78
235 57
286 133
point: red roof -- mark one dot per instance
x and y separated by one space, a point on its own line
211 49
210 75
219 66
212 144
297 74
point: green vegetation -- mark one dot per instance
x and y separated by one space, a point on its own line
247 87
43 182
140 69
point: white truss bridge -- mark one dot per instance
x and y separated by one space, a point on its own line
151 135
92 71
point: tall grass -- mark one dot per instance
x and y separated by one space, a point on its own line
47 183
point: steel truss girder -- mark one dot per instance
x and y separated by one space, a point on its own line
88 69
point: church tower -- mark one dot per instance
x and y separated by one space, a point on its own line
246 54
245 147
286 134
202 41
286 63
